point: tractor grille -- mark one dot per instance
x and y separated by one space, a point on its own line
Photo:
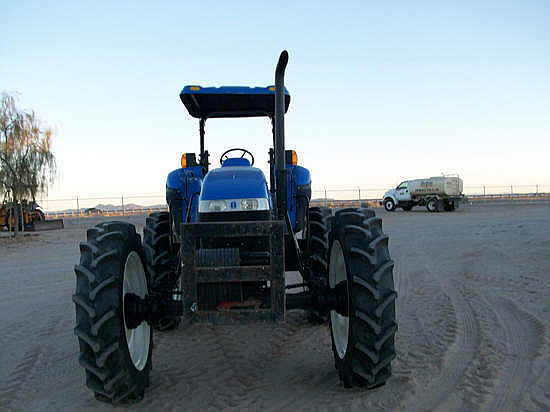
235 216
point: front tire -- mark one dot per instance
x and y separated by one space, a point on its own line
160 261
360 265
116 359
389 204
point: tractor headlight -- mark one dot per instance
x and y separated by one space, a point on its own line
233 205
216 205
249 204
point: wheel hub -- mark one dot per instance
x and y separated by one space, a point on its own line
136 310
338 280
134 292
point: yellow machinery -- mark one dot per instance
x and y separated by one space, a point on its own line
31 215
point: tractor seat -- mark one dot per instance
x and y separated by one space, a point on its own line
236 161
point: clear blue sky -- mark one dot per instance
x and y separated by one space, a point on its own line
381 91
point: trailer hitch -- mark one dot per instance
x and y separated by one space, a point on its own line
150 309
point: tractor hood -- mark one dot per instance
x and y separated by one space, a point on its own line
239 182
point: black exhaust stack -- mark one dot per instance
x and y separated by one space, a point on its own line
280 165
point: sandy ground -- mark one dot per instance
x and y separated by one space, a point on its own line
473 313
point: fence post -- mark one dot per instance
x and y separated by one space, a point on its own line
511 190
77 211
537 192
326 200
122 205
483 191
359 189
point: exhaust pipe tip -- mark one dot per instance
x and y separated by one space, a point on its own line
283 61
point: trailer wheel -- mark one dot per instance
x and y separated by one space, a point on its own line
389 204
116 358
432 205
317 236
360 269
160 262
449 205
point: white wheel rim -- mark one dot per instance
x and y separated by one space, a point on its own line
389 204
339 323
138 339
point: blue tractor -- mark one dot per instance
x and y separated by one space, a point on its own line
220 254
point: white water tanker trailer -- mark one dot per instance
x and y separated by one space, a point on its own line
440 193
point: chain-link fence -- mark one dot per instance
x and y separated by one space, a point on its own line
110 206
374 194
340 197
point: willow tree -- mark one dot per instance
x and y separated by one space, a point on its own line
27 164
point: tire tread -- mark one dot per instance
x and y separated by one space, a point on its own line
367 361
98 304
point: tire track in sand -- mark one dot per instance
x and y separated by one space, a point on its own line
524 335
23 371
460 354
220 366
242 385
438 364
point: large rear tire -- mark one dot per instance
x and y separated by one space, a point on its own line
360 265
161 262
116 359
317 235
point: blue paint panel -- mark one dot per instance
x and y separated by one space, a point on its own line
230 101
234 183
230 90
300 175
236 161
296 176
176 178
188 183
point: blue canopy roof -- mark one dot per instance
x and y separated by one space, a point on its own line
230 101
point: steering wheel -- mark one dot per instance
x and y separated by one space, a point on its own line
224 156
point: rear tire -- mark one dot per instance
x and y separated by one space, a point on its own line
432 205
317 245
110 265
362 341
389 204
160 261
449 206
